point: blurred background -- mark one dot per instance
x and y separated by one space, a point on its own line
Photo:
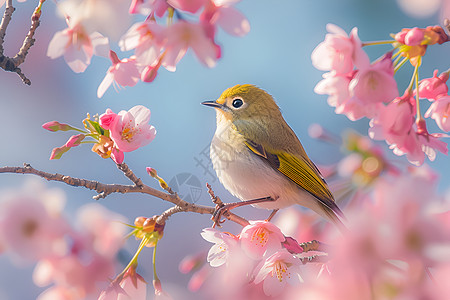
275 56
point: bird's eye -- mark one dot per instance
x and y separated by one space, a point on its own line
237 103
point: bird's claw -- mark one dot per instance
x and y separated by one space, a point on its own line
220 210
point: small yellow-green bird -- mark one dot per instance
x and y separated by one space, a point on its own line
256 155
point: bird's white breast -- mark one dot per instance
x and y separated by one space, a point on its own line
247 176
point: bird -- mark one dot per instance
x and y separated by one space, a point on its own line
259 159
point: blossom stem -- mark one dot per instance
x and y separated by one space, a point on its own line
397 67
397 59
377 43
416 78
155 276
133 261
170 15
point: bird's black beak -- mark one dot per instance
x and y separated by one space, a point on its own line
212 104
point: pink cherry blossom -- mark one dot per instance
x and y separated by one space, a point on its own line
30 218
146 37
440 112
222 13
131 287
395 124
183 35
434 87
336 87
107 119
130 129
260 237
77 46
102 228
394 121
374 84
99 15
276 271
224 243
339 52
122 73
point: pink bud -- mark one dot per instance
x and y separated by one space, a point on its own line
434 87
414 37
113 56
400 36
55 126
149 73
151 172
106 120
75 140
292 246
58 152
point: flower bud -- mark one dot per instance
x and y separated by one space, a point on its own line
55 126
152 172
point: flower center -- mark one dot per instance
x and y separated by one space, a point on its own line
280 270
29 228
260 237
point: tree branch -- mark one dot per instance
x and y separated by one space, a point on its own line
12 64
7 15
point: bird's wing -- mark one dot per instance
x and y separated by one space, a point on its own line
301 171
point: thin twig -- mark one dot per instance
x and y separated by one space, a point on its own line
130 175
29 40
447 25
165 215
7 15
106 189
229 215
12 64
314 246
314 259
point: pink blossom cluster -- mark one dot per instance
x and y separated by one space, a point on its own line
358 88
74 260
113 133
260 256
396 247
91 24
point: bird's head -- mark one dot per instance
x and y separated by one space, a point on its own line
245 105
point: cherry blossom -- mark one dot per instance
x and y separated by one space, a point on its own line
131 287
223 245
276 271
221 12
77 46
260 237
434 87
122 73
130 129
183 35
339 52
31 219
440 112
98 16
146 37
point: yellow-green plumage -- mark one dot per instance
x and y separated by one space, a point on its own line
256 154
